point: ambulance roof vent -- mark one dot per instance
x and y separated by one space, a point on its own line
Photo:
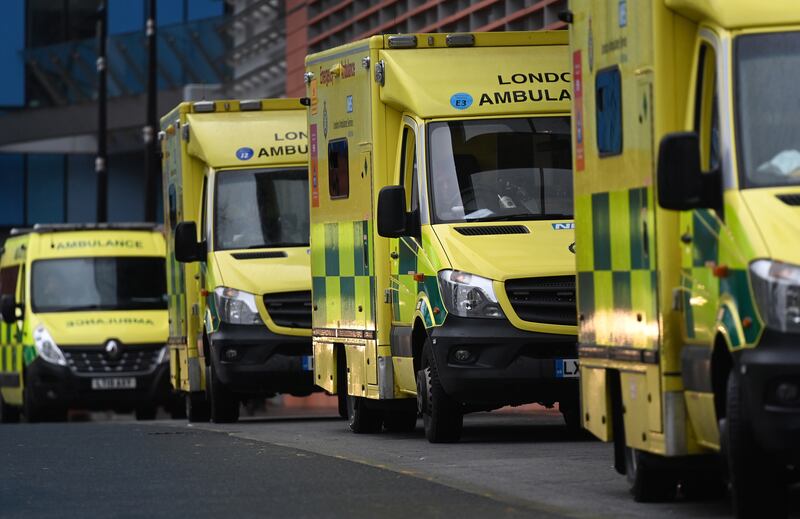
790 199
460 40
402 41
204 107
492 230
250 105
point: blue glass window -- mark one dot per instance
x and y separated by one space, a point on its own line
12 195
608 105
45 189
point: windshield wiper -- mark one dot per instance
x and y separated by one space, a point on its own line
277 245
518 217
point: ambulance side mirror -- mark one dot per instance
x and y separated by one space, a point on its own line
392 216
8 308
187 248
682 185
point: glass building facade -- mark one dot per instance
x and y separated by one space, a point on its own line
49 91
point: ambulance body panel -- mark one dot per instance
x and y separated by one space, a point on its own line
235 176
87 321
685 196
397 111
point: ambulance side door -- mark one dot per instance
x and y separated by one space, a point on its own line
403 250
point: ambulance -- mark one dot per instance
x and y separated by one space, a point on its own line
84 321
687 186
441 227
236 215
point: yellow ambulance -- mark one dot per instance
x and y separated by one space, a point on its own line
441 227
687 186
84 321
239 283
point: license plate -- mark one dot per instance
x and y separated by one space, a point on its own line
114 383
308 363
567 368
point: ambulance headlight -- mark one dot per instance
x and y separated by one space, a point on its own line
236 306
46 347
468 295
776 286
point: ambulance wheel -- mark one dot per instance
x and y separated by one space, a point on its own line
402 421
35 412
146 412
197 409
757 488
362 419
441 414
8 413
341 382
649 482
224 403
571 411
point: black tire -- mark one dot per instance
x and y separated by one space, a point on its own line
441 414
8 413
757 486
35 412
176 407
400 421
649 482
197 409
146 412
223 402
571 411
362 419
341 381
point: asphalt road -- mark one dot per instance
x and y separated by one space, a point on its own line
508 465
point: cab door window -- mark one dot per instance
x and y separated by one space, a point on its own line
706 113
408 168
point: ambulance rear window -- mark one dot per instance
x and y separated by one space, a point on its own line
338 169
608 106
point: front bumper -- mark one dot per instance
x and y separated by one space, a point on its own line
775 424
265 362
508 366
59 386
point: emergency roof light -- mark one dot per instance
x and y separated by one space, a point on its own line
249 105
402 41
460 40
204 106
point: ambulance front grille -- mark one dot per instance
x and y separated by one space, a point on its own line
290 309
549 300
789 199
94 360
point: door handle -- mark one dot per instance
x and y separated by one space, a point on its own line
394 254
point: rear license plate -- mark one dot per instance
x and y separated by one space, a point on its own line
567 368
114 383
308 363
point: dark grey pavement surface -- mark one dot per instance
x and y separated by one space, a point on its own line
132 470
303 463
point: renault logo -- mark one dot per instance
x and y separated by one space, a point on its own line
113 350
572 247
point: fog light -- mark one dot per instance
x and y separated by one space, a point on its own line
231 354
787 393
462 355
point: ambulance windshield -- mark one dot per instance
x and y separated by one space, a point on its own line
767 71
258 209
500 169
81 284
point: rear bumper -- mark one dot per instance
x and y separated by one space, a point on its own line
775 361
53 385
508 366
264 362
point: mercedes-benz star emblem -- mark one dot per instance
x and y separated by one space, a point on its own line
113 349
